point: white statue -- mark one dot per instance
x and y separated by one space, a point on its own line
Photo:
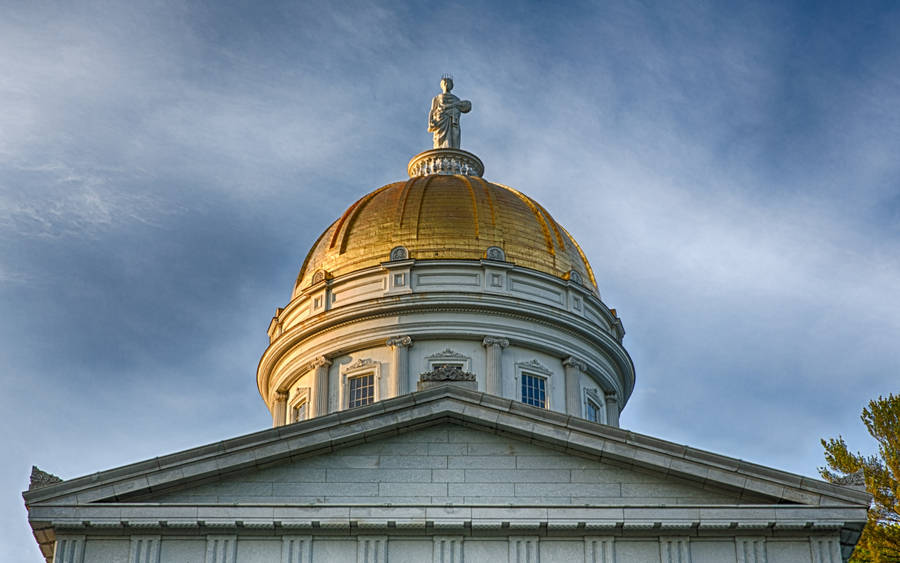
443 119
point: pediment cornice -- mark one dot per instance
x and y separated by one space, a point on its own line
434 406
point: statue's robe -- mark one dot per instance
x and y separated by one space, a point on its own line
443 119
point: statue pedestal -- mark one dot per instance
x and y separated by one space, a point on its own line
445 161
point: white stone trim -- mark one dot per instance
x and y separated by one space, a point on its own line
221 549
825 549
69 549
371 549
296 549
361 367
599 549
448 549
674 550
524 549
144 549
750 549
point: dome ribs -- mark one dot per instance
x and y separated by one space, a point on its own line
401 202
548 239
559 239
425 185
445 217
474 203
353 213
584 260
489 196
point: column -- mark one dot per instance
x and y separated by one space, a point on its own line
279 409
612 409
574 368
493 375
399 364
319 406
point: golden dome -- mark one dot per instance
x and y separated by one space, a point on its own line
445 217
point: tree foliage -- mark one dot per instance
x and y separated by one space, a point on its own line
880 541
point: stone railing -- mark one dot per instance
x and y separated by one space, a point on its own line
445 161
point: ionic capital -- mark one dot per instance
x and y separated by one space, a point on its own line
281 396
574 362
401 341
495 341
319 361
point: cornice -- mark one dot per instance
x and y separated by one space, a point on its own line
499 305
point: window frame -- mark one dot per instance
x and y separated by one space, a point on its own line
300 398
534 368
594 397
360 368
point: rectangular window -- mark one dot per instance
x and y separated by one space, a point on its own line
361 390
534 390
298 412
592 411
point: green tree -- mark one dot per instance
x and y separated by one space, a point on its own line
880 540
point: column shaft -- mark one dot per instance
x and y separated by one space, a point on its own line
493 375
400 364
319 406
574 368
612 409
279 409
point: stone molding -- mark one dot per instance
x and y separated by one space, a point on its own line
534 366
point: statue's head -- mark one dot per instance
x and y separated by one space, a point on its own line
446 84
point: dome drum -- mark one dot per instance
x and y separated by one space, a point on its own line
451 304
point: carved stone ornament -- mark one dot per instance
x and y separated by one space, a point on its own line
319 276
576 363
535 365
360 363
447 373
318 362
446 162
42 478
447 354
575 277
495 253
495 341
403 341
399 253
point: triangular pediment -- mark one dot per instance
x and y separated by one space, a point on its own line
346 456
450 463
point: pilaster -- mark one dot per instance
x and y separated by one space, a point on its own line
574 368
399 364
319 406
279 408
493 373
612 409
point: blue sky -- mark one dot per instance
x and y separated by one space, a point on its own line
731 172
